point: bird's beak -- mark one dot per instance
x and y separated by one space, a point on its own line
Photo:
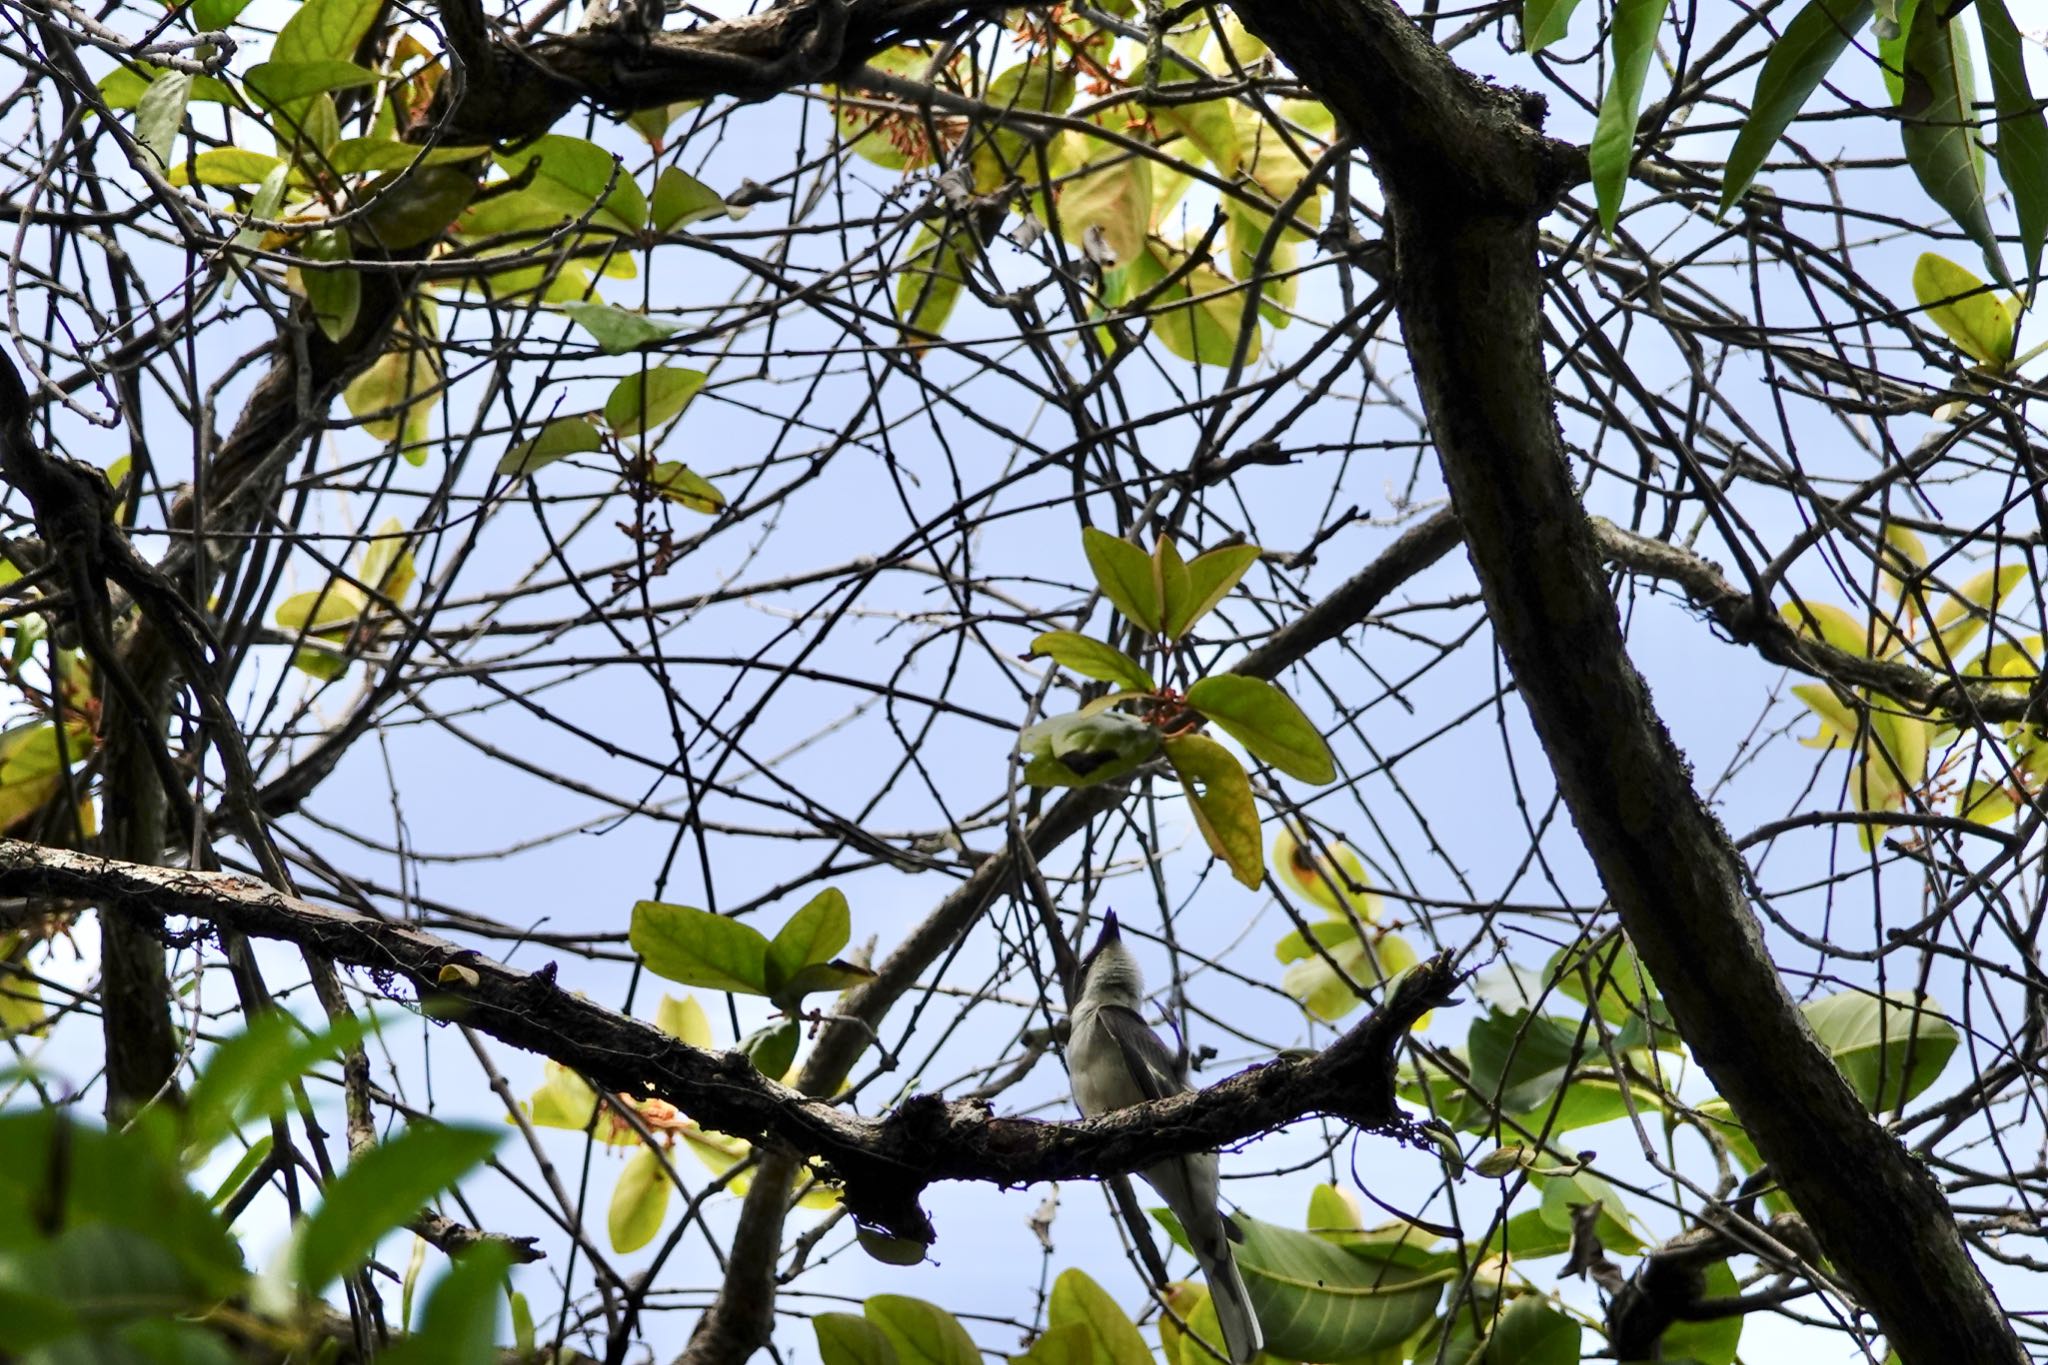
1108 936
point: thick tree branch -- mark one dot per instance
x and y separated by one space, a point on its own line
520 91
884 1163
1466 177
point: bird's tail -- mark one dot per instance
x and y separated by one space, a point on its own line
1242 1337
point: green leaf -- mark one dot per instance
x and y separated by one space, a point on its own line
1169 582
1333 876
1093 659
773 1048
644 401
161 112
616 330
2022 145
1211 576
225 166
1545 22
560 438
1317 1301
1869 1037
681 199
1613 148
1124 573
460 1322
1529 1065
399 384
683 1019
211 16
1084 750
328 30
922 1333
815 933
1201 316
1963 306
681 484
847 1339
1322 982
1794 68
639 1202
280 84
379 1191
335 296
574 180
697 948
1066 1343
1267 722
1221 796
1534 1332
1080 1302
1938 126
1713 1342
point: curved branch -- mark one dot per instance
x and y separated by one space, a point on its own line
883 1163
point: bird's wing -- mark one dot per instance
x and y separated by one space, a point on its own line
1145 1057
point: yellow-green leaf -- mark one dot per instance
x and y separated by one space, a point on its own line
1124 573
681 199
1079 1301
639 1202
1093 659
1211 576
922 1333
224 166
1266 721
1221 795
643 401
560 438
683 1019
1970 311
697 948
676 481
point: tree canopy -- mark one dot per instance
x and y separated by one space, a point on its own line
596 597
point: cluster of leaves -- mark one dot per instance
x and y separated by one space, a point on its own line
1892 742
1335 1291
108 1253
1105 186
697 948
1526 1078
1924 51
639 408
1163 596
1332 960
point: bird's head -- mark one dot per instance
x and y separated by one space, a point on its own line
1109 974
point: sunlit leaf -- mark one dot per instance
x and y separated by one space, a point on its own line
224 166
647 400
922 1333
1221 796
1211 576
681 199
849 1339
1124 573
1080 1301
1093 659
1963 306
684 486
814 934
1333 877
279 83
1563 1193
1266 721
559 439
1870 1038
1545 22
683 1018
697 948
639 1202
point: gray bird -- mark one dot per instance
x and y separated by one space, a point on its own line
1116 1061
